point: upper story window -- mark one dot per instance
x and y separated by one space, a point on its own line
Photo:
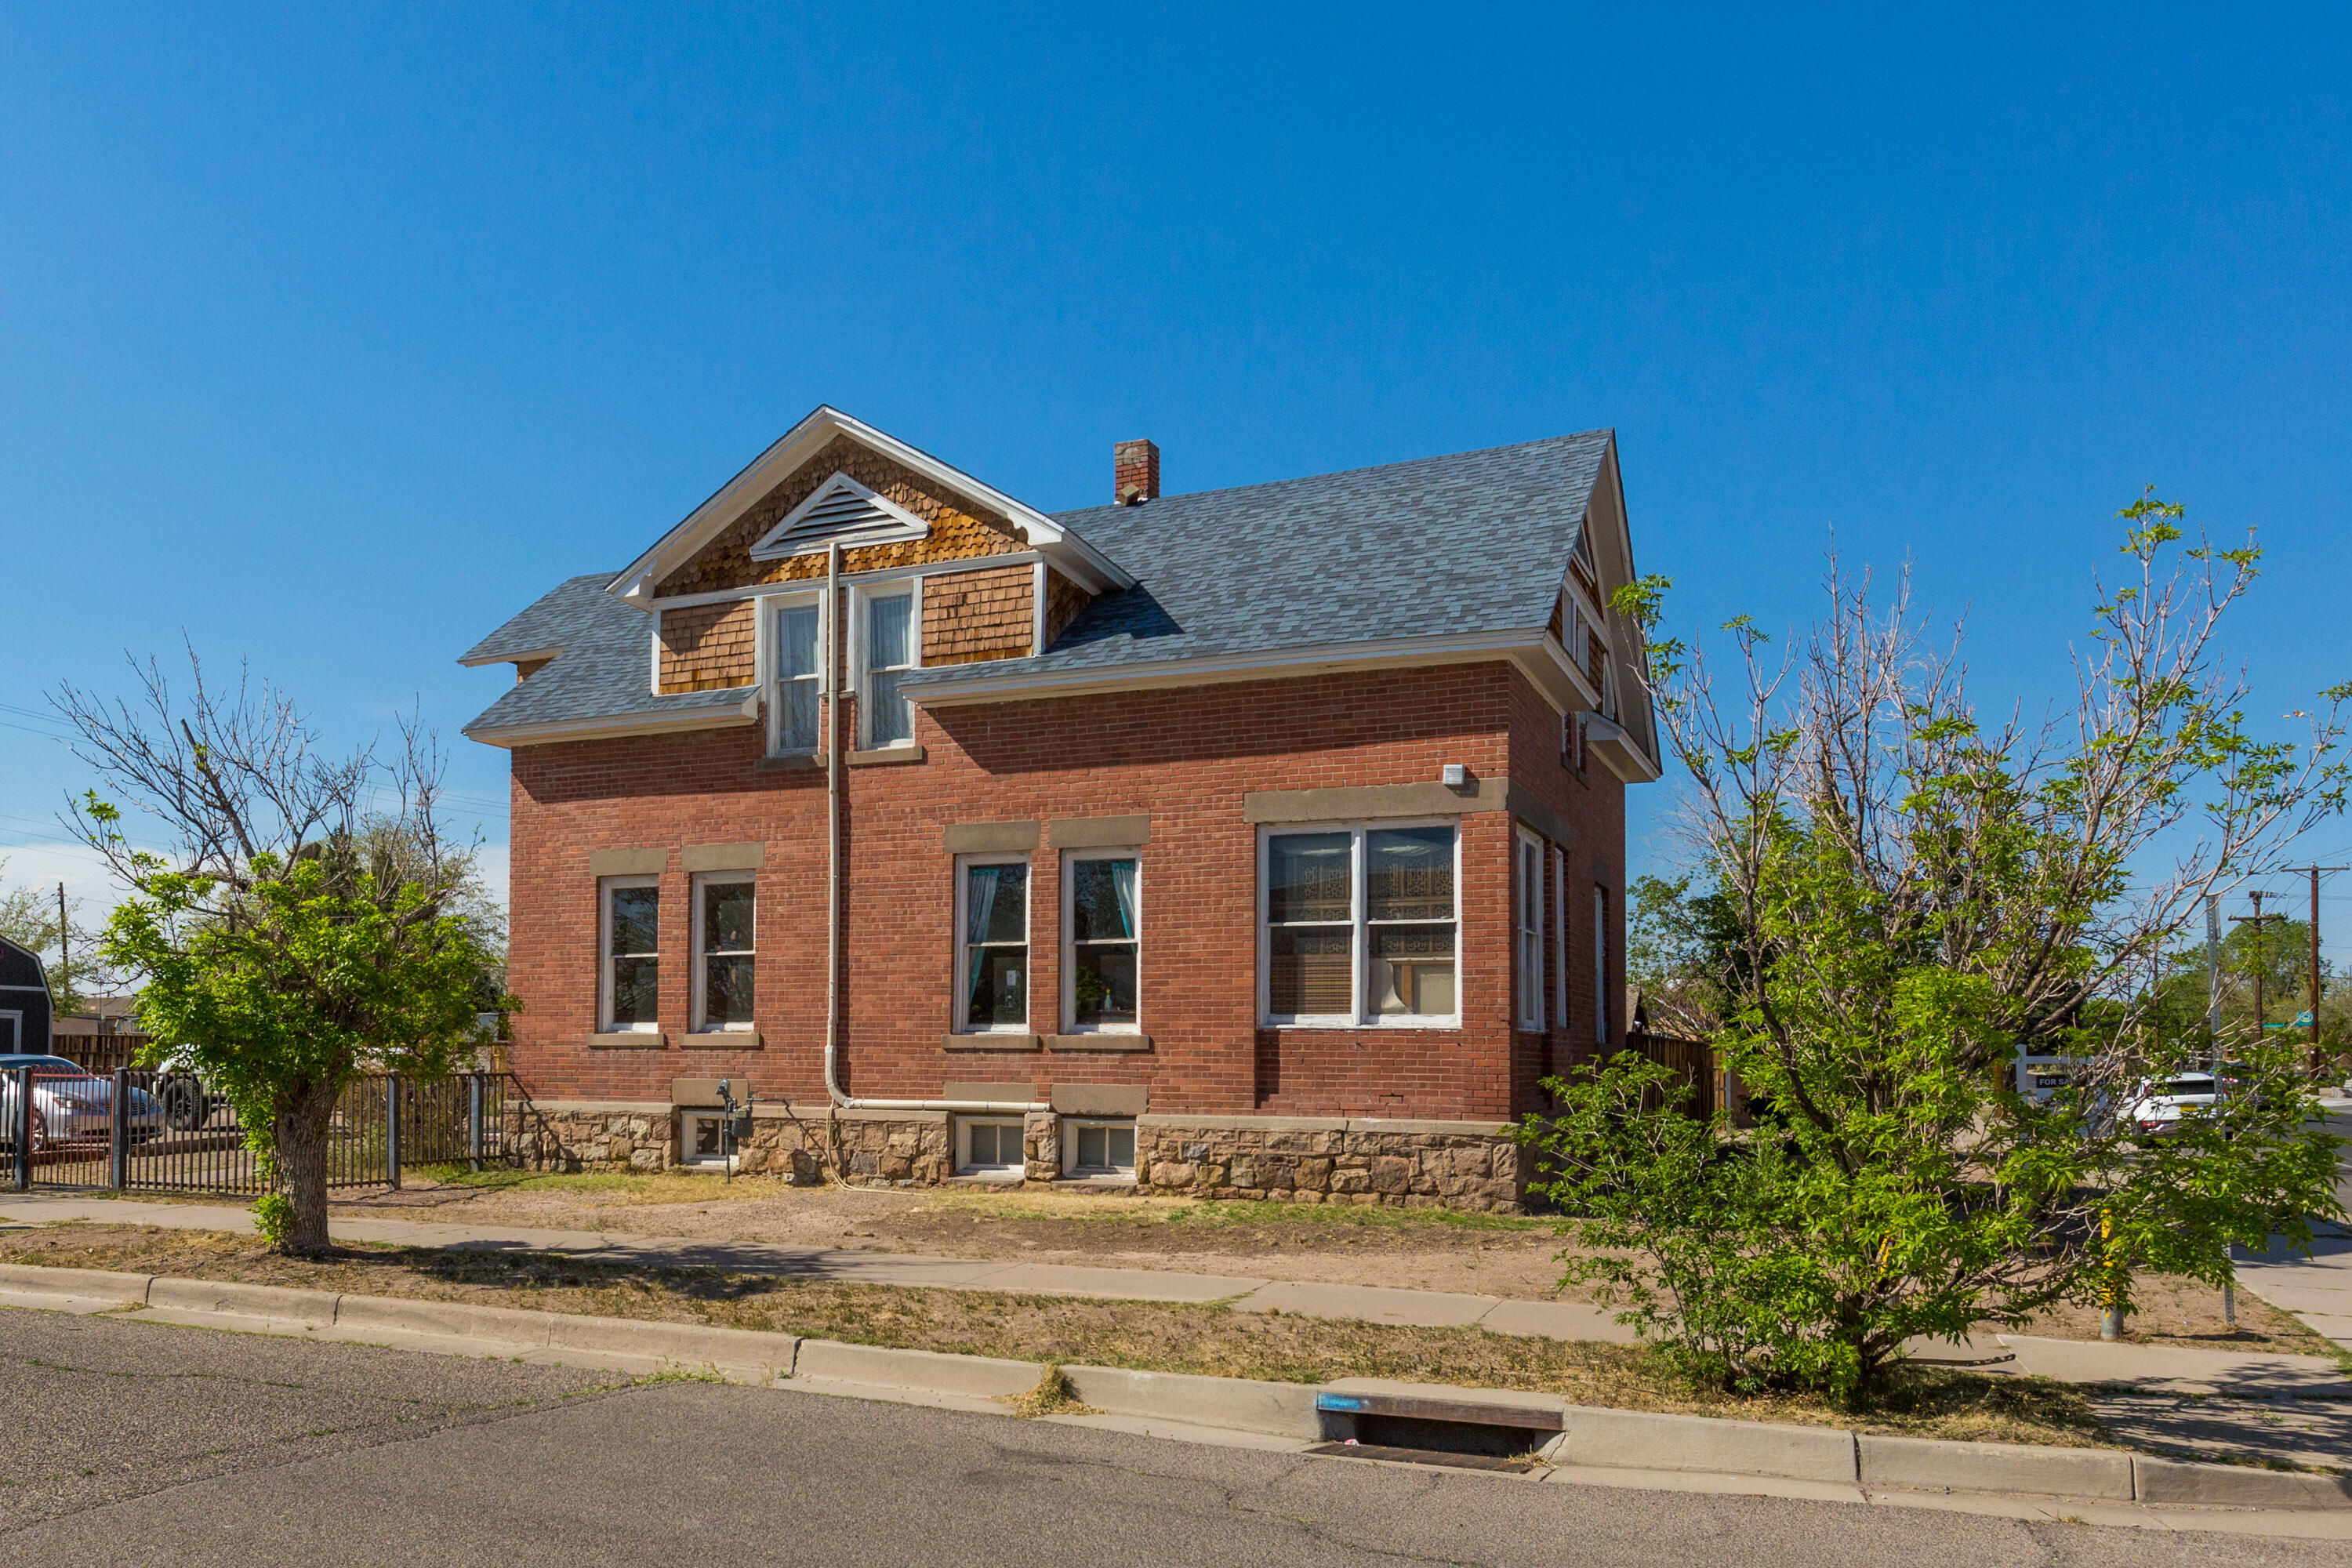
723 951
1102 941
890 653
992 946
799 643
1359 926
629 983
1559 937
1528 914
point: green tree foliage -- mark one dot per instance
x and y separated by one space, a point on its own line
313 925
1898 900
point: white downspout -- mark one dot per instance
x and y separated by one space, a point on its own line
834 675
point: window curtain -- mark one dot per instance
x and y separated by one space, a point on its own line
1122 882
979 901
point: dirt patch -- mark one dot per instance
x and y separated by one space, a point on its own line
1413 1249
1207 1338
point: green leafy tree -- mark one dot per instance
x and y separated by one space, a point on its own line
313 924
1913 899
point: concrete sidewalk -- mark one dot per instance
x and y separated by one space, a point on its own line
1359 1303
2158 1371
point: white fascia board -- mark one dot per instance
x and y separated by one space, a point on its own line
803 441
1619 752
1544 666
607 727
475 661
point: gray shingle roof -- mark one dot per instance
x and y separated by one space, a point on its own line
602 672
1477 542
1473 543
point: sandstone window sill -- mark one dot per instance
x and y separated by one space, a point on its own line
721 1040
989 1043
629 1040
1105 1041
883 757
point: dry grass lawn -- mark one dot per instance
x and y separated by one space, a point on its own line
1209 1339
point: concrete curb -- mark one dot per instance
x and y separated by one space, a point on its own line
1596 1444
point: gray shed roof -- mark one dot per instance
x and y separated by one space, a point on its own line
1479 541
604 668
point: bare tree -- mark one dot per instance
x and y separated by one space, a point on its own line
312 919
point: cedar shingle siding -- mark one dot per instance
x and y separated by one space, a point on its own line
973 616
1064 600
709 647
959 531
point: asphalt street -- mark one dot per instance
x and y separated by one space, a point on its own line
143 1444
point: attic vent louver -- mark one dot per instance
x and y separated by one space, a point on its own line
840 510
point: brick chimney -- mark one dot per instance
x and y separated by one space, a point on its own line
1135 472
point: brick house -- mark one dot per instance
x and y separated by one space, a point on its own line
1267 840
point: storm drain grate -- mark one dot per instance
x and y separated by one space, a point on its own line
1423 1457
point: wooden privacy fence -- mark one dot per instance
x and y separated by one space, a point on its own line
98 1053
1691 1060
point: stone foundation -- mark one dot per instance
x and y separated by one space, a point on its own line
1309 1160
1412 1164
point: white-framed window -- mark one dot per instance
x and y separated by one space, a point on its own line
992 944
989 1146
1600 965
889 645
1103 1150
1101 940
702 1139
796 643
12 1032
1527 912
1559 935
725 926
1359 925
628 940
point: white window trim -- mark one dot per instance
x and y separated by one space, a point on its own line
1072 1171
1559 933
700 978
963 1166
686 1155
771 661
1070 858
15 1023
860 596
1527 929
604 1024
1358 945
958 1004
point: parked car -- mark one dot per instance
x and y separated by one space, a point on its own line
71 1104
2159 1105
186 1106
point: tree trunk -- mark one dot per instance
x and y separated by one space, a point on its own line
302 1138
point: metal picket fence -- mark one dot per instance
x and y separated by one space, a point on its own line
59 1130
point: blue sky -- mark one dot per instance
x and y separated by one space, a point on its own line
328 339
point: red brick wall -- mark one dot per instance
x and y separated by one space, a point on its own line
1593 807
1186 757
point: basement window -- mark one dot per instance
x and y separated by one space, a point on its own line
703 1140
1099 1151
989 1147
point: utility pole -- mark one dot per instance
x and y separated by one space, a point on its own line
2257 920
64 960
2314 873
